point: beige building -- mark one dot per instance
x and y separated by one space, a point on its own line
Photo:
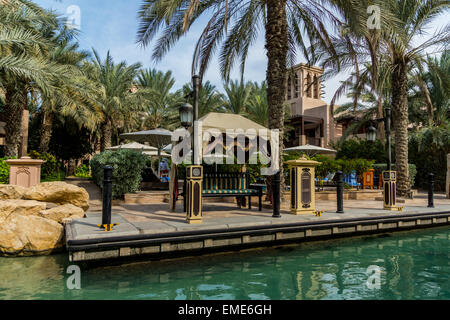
311 118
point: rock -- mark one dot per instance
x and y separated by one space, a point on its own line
29 235
60 193
20 207
63 214
9 191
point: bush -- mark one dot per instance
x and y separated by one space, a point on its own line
359 148
4 171
52 169
380 167
127 170
82 171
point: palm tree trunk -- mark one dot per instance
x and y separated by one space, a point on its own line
46 131
380 112
400 122
16 100
106 135
430 107
277 48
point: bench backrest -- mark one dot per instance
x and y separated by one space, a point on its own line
225 181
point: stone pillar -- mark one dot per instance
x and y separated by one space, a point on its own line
302 172
447 182
23 148
25 172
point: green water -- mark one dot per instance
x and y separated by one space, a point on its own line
413 265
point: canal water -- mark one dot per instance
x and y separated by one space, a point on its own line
407 265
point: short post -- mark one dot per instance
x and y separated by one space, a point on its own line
340 192
430 190
107 199
276 195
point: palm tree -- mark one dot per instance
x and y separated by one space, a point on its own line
257 107
23 62
162 102
413 16
118 94
74 95
282 21
209 99
237 94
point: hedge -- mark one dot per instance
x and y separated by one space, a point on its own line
127 170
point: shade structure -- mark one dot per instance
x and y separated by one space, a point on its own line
224 121
154 153
133 146
157 137
310 150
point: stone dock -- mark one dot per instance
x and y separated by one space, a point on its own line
154 232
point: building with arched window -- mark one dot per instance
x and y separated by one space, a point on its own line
311 119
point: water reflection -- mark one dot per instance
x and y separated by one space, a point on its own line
414 265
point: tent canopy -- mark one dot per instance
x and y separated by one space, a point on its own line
224 121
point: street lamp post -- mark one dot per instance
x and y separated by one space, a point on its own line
389 176
194 172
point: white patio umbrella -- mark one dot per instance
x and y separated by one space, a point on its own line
133 146
310 150
157 137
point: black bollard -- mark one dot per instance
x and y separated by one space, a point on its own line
276 195
430 190
340 192
107 197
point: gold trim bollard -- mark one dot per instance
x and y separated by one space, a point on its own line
302 172
194 189
389 189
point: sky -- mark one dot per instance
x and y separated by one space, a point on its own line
112 25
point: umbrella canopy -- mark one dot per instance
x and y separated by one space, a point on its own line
133 146
154 153
310 150
157 137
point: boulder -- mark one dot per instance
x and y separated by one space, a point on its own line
9 191
29 235
60 193
20 207
64 213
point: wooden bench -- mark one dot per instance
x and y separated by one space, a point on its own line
229 184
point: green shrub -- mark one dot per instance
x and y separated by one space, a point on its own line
52 169
82 171
363 149
127 170
380 167
4 171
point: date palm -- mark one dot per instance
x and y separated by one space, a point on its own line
237 94
23 62
233 26
209 99
161 103
118 97
404 49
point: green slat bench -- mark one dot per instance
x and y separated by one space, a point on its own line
227 184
